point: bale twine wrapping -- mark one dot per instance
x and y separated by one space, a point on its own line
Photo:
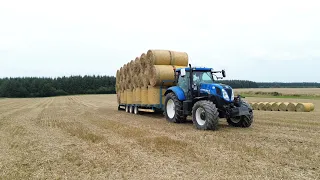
144 95
275 106
269 106
304 107
283 106
129 97
255 106
158 73
166 57
262 106
291 106
154 95
137 94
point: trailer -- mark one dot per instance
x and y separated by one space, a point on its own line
135 108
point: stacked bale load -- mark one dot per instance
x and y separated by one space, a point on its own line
143 77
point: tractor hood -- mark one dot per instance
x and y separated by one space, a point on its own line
217 89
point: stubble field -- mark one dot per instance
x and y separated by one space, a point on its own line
86 137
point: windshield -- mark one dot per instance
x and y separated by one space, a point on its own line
202 77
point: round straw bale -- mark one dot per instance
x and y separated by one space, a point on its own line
269 106
262 106
304 107
275 106
255 106
283 106
136 68
159 57
145 79
136 81
179 58
166 57
159 73
291 106
143 62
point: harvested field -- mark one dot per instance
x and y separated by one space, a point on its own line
86 137
285 91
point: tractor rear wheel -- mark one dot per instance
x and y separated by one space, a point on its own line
242 121
205 115
173 109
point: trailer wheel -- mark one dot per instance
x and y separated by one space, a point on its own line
173 109
131 109
205 115
242 121
136 111
127 108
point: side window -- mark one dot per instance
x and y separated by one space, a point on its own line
183 82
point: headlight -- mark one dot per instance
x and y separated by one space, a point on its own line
232 96
225 95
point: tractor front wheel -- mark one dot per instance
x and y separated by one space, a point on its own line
205 115
242 121
173 109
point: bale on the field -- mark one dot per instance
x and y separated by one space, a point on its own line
283 106
269 106
275 106
154 95
144 95
255 106
158 73
291 106
166 57
137 95
129 97
262 106
304 107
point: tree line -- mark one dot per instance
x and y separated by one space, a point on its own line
46 87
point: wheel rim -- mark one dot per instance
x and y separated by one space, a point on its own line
170 109
200 118
136 110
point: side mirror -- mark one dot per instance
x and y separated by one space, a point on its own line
183 72
224 73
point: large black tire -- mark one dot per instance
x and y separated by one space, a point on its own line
242 121
176 113
208 118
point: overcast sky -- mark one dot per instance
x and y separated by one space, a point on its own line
251 39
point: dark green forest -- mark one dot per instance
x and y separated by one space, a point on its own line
46 87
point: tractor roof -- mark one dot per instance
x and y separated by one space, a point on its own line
195 69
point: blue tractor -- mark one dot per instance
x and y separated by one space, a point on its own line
196 93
